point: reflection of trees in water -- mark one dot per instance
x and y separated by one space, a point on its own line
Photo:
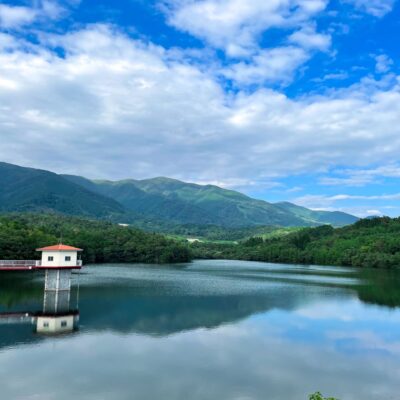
119 310
20 287
380 287
154 310
26 310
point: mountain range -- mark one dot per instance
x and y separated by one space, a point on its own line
163 200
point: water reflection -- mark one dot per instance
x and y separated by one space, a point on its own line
55 317
207 330
163 301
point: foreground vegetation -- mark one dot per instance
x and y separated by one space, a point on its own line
318 396
21 234
368 243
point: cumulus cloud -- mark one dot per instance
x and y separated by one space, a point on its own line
272 65
235 25
377 8
308 38
383 63
118 107
15 16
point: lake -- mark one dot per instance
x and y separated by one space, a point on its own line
205 330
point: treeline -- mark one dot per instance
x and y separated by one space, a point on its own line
103 242
206 231
371 243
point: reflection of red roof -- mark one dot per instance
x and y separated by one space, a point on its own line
59 247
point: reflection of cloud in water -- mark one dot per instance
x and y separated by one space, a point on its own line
248 360
347 310
223 330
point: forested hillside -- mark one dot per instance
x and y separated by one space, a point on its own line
368 243
102 242
28 189
188 203
157 204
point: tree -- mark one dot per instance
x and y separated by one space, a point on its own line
318 396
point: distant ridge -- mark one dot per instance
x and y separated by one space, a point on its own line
159 200
28 189
188 203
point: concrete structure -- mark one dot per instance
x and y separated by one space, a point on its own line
60 256
59 261
55 257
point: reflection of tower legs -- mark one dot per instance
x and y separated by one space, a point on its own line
56 301
57 317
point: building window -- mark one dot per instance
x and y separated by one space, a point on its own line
67 258
50 258
63 324
45 324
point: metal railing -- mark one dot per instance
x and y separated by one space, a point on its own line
78 263
28 263
17 263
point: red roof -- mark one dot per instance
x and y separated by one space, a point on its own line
59 247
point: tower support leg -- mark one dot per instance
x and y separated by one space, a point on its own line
58 279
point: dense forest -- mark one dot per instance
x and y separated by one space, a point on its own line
368 243
21 234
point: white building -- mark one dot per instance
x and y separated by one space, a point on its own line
60 256
58 261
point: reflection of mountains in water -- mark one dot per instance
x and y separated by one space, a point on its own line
164 315
150 307
118 310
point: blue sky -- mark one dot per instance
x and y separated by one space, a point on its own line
294 100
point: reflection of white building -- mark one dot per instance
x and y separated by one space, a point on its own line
52 324
57 316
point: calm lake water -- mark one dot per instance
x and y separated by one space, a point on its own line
205 330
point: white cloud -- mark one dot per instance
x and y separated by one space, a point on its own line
308 38
118 107
383 64
377 8
235 25
274 65
15 16
359 205
362 177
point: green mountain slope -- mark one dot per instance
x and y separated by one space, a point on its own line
28 189
336 218
187 203
153 204
150 204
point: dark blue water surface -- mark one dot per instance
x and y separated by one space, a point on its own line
206 330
